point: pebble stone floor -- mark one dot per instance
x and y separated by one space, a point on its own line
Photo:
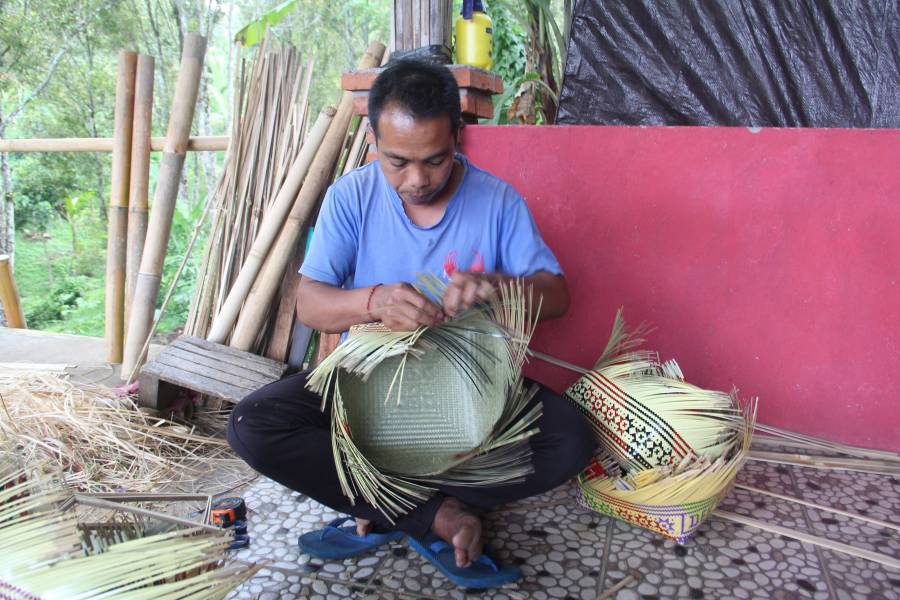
570 553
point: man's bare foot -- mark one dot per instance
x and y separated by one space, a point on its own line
456 524
363 527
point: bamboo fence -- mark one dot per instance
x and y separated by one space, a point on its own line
140 174
118 207
168 180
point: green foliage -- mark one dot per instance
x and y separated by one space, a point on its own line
254 32
62 299
509 41
45 270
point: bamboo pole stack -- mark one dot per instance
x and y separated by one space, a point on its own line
271 225
268 137
9 296
168 180
118 207
140 174
257 305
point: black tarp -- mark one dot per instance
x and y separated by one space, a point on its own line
772 63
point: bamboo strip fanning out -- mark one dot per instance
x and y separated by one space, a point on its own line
168 180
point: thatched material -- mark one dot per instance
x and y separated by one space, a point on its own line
51 554
102 442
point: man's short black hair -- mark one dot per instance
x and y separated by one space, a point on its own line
424 90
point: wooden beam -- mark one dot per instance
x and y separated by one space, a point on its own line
213 143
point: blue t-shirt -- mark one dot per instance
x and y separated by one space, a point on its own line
363 235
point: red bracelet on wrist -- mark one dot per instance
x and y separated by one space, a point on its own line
369 301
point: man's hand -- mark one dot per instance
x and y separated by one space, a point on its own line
464 290
401 308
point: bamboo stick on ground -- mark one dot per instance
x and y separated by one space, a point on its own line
9 295
168 180
270 228
140 173
256 309
830 509
118 208
883 559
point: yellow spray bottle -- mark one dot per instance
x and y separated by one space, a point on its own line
474 35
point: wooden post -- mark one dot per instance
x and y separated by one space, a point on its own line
270 228
9 296
146 288
117 229
420 24
256 306
140 174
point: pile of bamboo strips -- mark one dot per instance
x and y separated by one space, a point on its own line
255 244
102 443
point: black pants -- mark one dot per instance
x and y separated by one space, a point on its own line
282 433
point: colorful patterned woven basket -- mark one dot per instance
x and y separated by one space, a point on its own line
669 450
675 521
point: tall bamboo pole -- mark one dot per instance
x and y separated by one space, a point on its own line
117 228
256 306
140 173
9 296
271 226
148 279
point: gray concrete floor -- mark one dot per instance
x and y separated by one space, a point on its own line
82 357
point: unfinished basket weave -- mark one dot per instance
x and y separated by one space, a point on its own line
442 404
669 450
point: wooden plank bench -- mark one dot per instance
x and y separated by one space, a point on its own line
205 367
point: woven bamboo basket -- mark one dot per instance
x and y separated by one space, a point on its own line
670 451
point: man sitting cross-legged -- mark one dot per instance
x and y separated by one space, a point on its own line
420 208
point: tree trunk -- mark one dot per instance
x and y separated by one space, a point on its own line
7 208
92 128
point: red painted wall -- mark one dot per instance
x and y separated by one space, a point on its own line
769 260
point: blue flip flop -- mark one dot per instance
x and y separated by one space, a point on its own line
334 541
482 573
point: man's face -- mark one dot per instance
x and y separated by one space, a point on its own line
416 155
